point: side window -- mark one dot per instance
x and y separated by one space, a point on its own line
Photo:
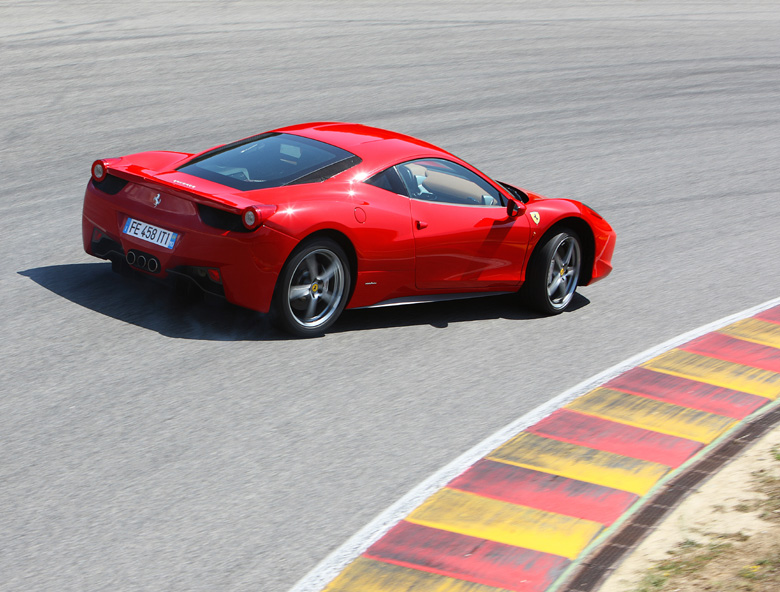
389 181
443 181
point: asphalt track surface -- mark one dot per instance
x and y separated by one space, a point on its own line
527 514
145 446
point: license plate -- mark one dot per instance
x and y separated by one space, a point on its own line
149 233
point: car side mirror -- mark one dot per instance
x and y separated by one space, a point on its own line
514 209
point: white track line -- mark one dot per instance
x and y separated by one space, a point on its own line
331 566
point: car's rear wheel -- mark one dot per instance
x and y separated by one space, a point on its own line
312 289
553 273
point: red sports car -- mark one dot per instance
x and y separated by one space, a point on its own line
306 220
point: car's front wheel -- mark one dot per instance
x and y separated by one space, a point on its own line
312 289
553 273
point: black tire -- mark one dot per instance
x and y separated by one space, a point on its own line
312 289
553 273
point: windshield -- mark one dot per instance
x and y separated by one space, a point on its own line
270 160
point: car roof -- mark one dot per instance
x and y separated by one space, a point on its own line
375 146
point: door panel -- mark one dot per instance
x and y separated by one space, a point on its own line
463 236
467 246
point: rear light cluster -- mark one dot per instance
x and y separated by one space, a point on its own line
248 220
99 170
105 181
253 216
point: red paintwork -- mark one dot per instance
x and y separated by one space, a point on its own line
544 491
585 430
461 250
467 558
686 392
488 252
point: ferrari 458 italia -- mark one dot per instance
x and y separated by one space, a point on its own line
308 220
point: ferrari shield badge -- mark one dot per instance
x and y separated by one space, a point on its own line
535 217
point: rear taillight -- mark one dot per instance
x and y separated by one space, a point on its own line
250 218
254 216
99 170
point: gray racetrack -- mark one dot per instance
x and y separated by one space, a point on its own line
148 447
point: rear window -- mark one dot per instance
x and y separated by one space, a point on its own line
270 160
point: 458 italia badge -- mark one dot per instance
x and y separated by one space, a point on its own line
535 217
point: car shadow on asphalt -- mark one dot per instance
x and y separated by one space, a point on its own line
442 314
143 302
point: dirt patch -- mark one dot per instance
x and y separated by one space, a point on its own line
724 537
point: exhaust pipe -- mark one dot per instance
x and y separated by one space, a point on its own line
143 261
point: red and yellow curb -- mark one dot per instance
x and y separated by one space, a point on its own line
516 519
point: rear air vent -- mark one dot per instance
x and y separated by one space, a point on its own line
221 219
110 185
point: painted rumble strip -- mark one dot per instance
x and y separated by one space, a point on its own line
518 514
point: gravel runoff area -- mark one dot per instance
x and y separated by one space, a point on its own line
725 536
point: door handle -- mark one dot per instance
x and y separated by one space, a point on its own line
421 225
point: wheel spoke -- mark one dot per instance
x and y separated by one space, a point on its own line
562 288
311 264
298 292
328 273
553 286
569 252
311 308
